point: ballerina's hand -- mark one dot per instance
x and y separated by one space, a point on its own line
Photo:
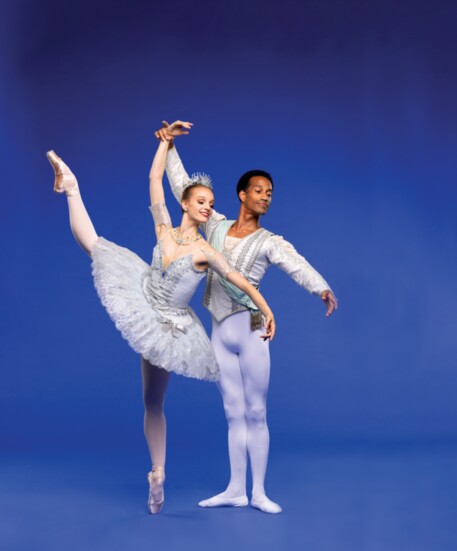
331 302
270 328
169 131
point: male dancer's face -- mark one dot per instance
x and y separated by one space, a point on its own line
257 198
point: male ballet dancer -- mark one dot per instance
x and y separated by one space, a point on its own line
242 355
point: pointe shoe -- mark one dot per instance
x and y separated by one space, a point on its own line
65 181
156 479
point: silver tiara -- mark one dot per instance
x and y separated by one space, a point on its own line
199 178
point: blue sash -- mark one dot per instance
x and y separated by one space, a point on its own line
217 241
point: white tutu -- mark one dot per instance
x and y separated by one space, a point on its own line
149 307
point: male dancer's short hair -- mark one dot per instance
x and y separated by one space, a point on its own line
243 182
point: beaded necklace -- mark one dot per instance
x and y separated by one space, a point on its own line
175 234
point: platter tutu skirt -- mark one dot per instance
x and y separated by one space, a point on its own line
149 306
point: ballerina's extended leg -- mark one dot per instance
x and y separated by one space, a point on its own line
80 223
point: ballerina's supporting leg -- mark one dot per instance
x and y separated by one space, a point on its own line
80 223
155 382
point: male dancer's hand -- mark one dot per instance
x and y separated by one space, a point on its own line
169 131
330 302
270 328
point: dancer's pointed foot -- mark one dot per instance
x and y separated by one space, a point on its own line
225 499
156 479
65 181
265 505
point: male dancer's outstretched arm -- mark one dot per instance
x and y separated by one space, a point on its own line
283 254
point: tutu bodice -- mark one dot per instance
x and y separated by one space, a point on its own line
175 285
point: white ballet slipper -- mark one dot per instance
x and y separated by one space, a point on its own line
222 500
265 505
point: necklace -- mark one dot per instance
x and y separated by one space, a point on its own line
175 234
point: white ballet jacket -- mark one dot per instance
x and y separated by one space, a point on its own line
251 256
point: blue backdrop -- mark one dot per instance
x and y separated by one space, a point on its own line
350 105
354 113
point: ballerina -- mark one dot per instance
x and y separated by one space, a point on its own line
149 303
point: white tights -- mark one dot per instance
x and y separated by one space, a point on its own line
244 360
155 382
81 224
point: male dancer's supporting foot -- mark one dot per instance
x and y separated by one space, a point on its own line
225 499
